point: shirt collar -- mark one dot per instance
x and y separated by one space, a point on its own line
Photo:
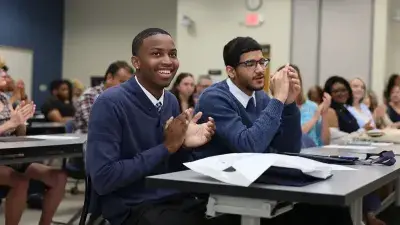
150 96
242 97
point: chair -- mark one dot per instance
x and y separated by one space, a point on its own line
69 126
75 166
95 217
75 169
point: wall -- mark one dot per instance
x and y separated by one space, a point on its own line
35 25
100 32
217 22
393 39
332 37
305 39
380 47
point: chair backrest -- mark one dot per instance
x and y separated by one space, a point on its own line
307 142
86 204
88 191
69 126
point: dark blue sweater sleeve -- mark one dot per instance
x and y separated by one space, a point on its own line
288 138
230 127
108 171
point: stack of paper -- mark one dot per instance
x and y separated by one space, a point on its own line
243 169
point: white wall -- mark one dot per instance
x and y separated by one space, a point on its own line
218 21
98 32
305 39
380 47
346 30
393 65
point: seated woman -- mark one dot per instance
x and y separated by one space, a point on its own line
183 89
379 112
342 97
59 107
358 109
16 177
314 120
392 95
394 80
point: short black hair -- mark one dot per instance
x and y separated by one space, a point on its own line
238 46
138 40
55 84
114 67
338 79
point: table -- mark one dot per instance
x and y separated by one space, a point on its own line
39 150
345 188
45 127
31 151
332 151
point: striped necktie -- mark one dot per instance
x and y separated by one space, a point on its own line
158 106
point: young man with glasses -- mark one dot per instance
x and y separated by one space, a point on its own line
248 120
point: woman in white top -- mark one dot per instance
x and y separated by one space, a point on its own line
358 109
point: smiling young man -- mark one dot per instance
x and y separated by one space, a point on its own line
247 120
132 135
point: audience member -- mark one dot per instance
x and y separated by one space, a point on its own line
77 90
15 91
314 121
380 115
118 72
358 109
136 130
183 89
342 96
394 80
316 94
392 95
247 120
58 107
12 122
203 82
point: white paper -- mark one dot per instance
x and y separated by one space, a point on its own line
248 167
53 137
354 147
381 144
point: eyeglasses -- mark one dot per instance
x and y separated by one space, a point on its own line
339 91
253 63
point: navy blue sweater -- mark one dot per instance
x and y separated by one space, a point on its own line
125 144
274 128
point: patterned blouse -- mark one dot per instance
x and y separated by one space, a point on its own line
5 113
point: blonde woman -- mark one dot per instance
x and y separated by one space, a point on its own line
77 90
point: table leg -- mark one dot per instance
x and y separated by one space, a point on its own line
249 220
397 192
356 210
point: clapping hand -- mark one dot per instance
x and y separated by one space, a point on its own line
369 126
294 84
198 134
184 130
174 132
326 103
22 113
280 85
